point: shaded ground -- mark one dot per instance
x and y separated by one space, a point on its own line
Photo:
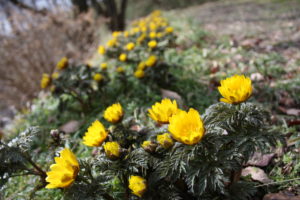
272 25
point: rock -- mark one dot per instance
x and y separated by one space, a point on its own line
256 174
293 111
256 77
260 160
70 126
280 196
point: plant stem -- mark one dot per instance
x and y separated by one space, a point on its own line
278 182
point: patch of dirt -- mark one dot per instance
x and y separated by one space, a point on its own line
276 23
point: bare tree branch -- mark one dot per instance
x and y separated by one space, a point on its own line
26 7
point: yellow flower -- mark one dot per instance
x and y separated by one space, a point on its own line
116 33
55 75
169 29
98 77
141 66
165 140
112 149
149 146
144 29
156 13
159 35
141 38
123 57
120 70
52 88
151 61
101 50
235 89
152 26
63 63
95 135
187 127
152 34
114 113
111 43
136 30
46 80
152 44
161 112
64 171
126 34
130 46
139 73
137 185
103 66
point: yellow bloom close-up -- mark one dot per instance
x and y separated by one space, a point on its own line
141 66
55 75
63 173
111 43
103 66
139 73
63 63
130 46
137 185
162 111
235 89
46 80
114 113
116 33
126 34
152 44
151 61
95 135
169 29
152 34
101 50
149 146
98 77
112 149
123 57
141 38
187 127
120 70
165 140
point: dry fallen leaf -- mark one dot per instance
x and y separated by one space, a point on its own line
256 174
293 111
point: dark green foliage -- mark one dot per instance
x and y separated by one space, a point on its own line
15 157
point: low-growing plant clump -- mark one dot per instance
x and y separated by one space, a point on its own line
150 128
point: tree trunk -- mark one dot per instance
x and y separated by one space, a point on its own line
81 5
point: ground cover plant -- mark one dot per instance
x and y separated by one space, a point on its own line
164 114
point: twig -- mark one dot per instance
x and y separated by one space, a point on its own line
278 182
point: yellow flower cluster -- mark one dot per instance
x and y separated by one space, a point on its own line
137 185
63 173
146 35
185 127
